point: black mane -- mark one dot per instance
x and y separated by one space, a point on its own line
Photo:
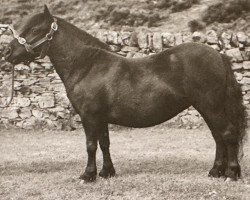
82 35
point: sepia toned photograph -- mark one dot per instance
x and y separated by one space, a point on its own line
124 100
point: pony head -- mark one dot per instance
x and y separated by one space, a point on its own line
31 39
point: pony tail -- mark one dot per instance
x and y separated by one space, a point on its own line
234 108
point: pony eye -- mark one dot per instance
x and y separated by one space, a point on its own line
34 30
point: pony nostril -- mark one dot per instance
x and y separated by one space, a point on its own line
7 52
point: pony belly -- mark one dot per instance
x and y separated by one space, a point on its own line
146 117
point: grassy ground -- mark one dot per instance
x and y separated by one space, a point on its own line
155 163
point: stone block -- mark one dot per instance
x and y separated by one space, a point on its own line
187 37
22 67
168 39
4 101
246 65
237 66
29 81
138 55
242 37
122 53
130 54
246 55
133 42
235 54
193 112
238 76
124 38
17 85
246 80
215 46
47 65
142 40
157 42
54 76
102 35
178 38
246 74
63 115
115 48
5 89
25 113
21 102
150 41
245 88
248 40
9 113
226 39
234 40
112 37
46 101
19 124
57 88
57 109
37 113
37 89
246 96
30 123
130 49
76 118
44 80
212 37
35 66
62 100
198 37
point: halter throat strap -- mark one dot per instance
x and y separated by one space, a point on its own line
30 47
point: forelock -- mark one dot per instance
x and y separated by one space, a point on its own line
30 22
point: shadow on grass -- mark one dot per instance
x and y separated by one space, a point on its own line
172 165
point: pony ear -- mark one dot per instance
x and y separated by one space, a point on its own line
46 11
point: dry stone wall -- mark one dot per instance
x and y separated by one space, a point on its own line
40 99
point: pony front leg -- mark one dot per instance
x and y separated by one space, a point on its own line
91 132
108 169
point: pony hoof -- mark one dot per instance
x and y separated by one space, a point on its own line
228 179
87 178
215 173
107 173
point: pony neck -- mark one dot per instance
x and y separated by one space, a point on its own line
65 48
68 45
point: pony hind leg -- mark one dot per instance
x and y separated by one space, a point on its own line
226 158
220 162
230 137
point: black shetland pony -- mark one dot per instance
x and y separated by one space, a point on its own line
106 88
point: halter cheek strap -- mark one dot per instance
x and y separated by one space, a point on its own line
30 47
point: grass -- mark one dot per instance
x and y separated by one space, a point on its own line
154 163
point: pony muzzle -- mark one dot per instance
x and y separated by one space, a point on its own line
7 52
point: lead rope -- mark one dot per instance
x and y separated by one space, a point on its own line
12 88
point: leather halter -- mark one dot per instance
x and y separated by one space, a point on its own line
30 47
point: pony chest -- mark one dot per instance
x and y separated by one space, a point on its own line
84 98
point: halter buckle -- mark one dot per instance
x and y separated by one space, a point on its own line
49 36
21 40
54 26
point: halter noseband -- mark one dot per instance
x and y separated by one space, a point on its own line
30 47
